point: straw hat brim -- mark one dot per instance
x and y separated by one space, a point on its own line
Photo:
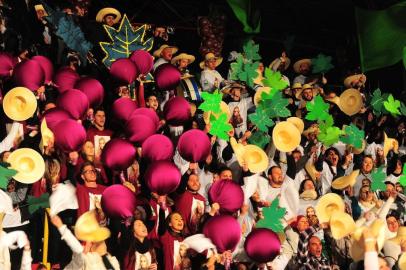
226 90
219 60
327 205
356 77
106 11
388 144
297 122
350 102
28 163
188 57
296 65
84 233
287 63
255 157
357 151
299 92
311 170
238 150
224 109
341 225
402 262
357 247
158 52
286 137
345 181
19 104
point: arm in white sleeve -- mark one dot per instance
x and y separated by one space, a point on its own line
26 260
8 142
383 212
371 260
70 239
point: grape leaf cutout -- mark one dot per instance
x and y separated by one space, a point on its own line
211 101
249 73
259 138
5 175
272 217
378 180
276 106
35 203
251 50
261 119
377 100
353 136
317 110
330 136
237 67
402 178
321 64
392 105
274 80
323 125
220 126
124 41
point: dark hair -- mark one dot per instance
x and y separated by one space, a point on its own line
222 168
100 108
301 188
270 169
335 151
85 164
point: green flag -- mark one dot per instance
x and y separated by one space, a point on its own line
247 14
381 36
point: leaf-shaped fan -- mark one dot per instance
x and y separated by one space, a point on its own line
272 217
378 180
321 64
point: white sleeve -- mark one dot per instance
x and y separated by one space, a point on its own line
371 260
26 260
70 239
8 142
383 212
206 81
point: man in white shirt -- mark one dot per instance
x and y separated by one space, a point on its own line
164 55
210 78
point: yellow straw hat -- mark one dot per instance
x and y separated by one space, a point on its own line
158 52
210 56
350 101
345 181
286 137
181 56
341 225
401 235
297 122
29 165
388 144
40 7
402 262
297 64
311 170
88 229
108 11
19 104
312 129
277 60
255 158
327 205
357 249
356 77
354 150
224 109
299 92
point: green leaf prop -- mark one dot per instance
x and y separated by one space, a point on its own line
261 119
378 180
353 136
5 175
237 67
317 110
274 80
377 100
330 136
124 41
259 138
35 203
220 126
251 51
323 125
211 102
321 64
392 105
402 108
402 178
276 106
272 217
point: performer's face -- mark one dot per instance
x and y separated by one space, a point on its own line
152 103
211 64
89 174
176 222
304 68
167 54
193 183
109 20
100 118
183 63
140 230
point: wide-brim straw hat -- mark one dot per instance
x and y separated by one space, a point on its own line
388 144
210 56
311 170
28 163
299 92
158 52
311 129
47 136
401 235
327 205
40 7
354 150
253 156
227 88
19 104
296 65
286 136
181 56
87 228
402 262
356 77
357 249
341 225
277 60
223 109
108 11
345 181
349 102
297 122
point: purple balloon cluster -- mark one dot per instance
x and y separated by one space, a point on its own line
227 194
118 201
7 64
262 245
224 231
126 70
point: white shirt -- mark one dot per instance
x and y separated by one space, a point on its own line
208 78
159 62
244 105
